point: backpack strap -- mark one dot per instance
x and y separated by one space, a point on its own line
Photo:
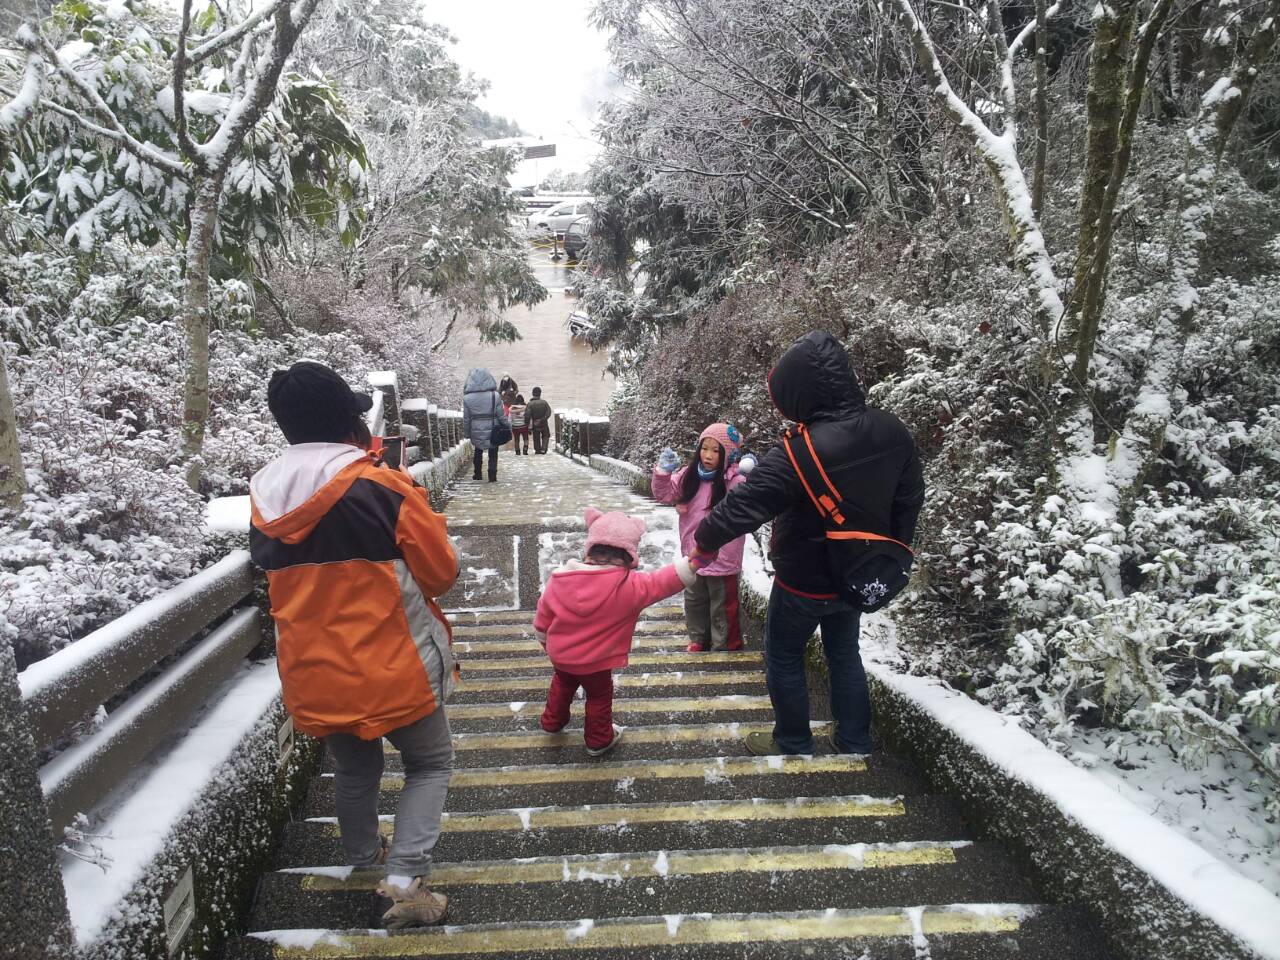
826 499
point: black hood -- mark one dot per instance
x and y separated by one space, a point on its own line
815 381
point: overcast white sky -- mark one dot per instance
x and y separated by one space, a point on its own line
546 65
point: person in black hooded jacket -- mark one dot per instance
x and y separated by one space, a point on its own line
872 460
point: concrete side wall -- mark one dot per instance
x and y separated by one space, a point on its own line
228 840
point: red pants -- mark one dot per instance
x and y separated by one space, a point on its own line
598 728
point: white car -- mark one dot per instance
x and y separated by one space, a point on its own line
556 220
579 324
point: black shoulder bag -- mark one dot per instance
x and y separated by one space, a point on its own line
501 432
869 569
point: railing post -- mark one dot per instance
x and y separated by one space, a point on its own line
433 426
387 383
33 904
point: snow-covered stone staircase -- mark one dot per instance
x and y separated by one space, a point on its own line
675 845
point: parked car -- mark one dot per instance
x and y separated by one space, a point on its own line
576 236
557 219
580 324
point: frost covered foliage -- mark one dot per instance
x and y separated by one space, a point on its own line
108 520
1012 601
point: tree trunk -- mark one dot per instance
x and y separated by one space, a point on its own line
195 323
1142 440
13 482
1042 109
1092 273
1104 106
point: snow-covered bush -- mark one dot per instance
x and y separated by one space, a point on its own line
1014 598
109 520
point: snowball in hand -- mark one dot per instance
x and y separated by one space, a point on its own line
747 463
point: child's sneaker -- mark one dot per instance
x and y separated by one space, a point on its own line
695 647
413 905
600 751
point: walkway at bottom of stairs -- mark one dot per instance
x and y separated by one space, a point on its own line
677 844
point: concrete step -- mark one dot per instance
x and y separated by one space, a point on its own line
950 931
519 646
675 782
468 631
486 688
639 743
523 714
659 881
629 827
467 618
538 664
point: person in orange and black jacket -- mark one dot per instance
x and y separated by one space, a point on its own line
354 556
872 459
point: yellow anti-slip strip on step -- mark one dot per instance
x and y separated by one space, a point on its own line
539 740
480 617
619 814
533 708
465 630
675 643
674 930
718 768
634 681
747 658
662 864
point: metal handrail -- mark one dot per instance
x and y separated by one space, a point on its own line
60 690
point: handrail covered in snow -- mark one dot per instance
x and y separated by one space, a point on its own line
70 685
579 433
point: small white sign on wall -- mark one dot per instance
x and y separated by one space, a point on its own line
179 910
284 740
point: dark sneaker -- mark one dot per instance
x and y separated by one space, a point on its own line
831 736
601 751
762 745
384 851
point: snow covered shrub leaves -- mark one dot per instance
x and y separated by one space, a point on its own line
109 521
1163 622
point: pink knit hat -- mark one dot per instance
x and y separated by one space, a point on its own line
615 530
727 435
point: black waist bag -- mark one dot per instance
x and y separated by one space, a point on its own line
869 569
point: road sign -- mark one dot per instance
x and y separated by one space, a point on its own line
540 150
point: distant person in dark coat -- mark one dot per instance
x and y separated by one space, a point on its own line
538 416
872 460
481 410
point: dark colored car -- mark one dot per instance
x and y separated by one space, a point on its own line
576 236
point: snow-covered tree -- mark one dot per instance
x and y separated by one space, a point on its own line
439 243
179 126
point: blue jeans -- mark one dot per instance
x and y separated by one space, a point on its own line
788 626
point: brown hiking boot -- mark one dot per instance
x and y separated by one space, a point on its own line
412 906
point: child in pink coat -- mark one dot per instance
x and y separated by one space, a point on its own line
587 615
711 604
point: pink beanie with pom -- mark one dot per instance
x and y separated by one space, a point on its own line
615 530
727 435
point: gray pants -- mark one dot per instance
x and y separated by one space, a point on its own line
427 750
711 612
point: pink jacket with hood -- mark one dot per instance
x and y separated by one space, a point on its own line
666 489
587 613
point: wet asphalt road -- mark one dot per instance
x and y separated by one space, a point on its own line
547 356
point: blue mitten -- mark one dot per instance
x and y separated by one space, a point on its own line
668 461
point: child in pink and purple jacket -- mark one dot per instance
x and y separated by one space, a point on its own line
711 603
587 617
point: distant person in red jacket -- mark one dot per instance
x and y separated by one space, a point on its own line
587 617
